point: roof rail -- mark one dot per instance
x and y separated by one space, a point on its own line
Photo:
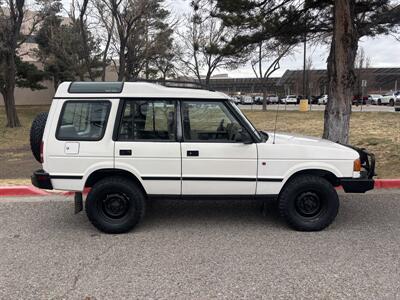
175 83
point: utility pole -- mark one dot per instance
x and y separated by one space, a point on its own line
304 65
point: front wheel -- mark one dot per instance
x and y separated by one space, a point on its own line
308 203
391 102
115 205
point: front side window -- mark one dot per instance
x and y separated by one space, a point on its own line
148 120
209 121
83 120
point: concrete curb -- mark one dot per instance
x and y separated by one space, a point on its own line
26 190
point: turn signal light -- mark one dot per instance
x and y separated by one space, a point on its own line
357 165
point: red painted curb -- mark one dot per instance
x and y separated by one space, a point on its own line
25 190
387 184
21 190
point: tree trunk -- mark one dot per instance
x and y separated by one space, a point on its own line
11 111
264 99
8 93
121 69
341 77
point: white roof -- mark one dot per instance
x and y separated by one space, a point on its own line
145 90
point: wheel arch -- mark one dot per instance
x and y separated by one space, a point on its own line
327 174
107 172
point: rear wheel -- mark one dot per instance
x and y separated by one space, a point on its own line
391 102
115 205
308 203
379 102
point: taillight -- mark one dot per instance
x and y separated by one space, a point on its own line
41 152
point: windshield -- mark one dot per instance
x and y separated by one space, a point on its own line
246 120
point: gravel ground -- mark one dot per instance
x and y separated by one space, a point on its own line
200 250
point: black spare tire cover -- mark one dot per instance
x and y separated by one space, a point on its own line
36 135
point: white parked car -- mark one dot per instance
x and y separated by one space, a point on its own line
247 100
134 141
289 99
272 99
389 98
323 100
375 99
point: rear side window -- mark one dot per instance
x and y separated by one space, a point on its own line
83 120
152 120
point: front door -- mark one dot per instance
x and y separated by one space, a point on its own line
146 145
214 159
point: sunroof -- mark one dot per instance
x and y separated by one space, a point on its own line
96 87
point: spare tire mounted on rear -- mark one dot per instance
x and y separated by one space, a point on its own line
36 135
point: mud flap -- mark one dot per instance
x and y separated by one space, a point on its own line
78 202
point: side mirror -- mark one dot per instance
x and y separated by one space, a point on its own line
244 137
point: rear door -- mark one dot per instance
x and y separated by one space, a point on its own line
214 162
146 144
79 139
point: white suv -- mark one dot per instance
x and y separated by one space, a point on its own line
129 142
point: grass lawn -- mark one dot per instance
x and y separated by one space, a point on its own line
379 132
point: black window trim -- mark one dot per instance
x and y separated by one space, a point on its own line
118 121
83 139
179 126
233 113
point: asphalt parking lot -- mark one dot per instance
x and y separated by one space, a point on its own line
200 250
316 107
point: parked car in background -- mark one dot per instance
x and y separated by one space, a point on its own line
247 100
375 99
289 99
258 99
358 100
272 99
390 98
323 100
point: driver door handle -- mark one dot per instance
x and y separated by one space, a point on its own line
193 153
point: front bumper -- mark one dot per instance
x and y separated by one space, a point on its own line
41 179
365 182
357 185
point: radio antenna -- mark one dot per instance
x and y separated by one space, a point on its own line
276 121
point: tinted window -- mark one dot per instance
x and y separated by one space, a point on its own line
209 121
83 120
148 120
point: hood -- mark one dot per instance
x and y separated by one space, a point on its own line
297 139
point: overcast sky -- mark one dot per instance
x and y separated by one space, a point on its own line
383 51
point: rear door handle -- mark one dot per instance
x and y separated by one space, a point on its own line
125 152
192 153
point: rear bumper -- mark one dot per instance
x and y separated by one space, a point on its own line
41 179
357 185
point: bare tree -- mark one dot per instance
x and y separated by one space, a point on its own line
204 43
125 14
107 23
267 55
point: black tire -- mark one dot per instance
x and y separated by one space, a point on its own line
379 102
36 134
308 203
391 102
115 205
